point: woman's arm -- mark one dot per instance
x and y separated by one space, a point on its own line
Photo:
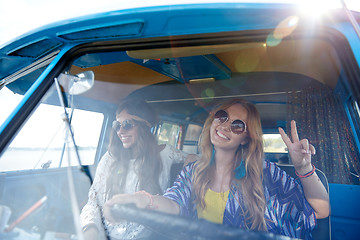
176 200
90 214
300 152
142 199
316 194
191 158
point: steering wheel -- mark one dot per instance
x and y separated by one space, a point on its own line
177 227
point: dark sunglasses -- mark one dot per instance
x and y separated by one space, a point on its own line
237 126
126 125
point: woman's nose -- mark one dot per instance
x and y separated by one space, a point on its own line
121 130
225 126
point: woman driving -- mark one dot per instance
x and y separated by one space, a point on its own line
133 163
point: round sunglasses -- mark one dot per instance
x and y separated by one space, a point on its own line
126 125
237 126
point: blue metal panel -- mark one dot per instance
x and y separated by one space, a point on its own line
348 31
112 31
345 211
37 49
161 21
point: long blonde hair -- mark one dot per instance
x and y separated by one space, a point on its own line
252 151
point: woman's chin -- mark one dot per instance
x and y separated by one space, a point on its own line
127 145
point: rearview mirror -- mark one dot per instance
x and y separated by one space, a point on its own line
77 84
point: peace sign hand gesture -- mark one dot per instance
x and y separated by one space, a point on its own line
300 150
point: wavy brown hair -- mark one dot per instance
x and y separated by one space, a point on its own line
145 151
251 185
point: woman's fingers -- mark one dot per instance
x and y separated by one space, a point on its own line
284 137
300 150
294 133
307 148
116 199
305 145
312 149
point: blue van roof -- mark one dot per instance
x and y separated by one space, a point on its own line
156 21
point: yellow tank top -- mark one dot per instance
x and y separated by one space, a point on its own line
215 206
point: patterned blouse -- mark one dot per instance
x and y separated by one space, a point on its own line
90 213
287 212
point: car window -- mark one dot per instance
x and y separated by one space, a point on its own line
185 88
40 142
191 140
273 143
169 133
14 87
8 100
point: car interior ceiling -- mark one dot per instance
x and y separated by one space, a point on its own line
259 73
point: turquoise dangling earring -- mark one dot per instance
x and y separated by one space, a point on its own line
240 171
212 160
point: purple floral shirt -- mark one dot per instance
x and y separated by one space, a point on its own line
287 212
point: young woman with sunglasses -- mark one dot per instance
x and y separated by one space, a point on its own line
134 162
232 184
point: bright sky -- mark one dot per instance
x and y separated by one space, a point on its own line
20 16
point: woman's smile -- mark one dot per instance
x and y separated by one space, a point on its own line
125 138
221 135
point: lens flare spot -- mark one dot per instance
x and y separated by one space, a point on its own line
316 9
247 62
271 41
293 21
208 94
286 27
